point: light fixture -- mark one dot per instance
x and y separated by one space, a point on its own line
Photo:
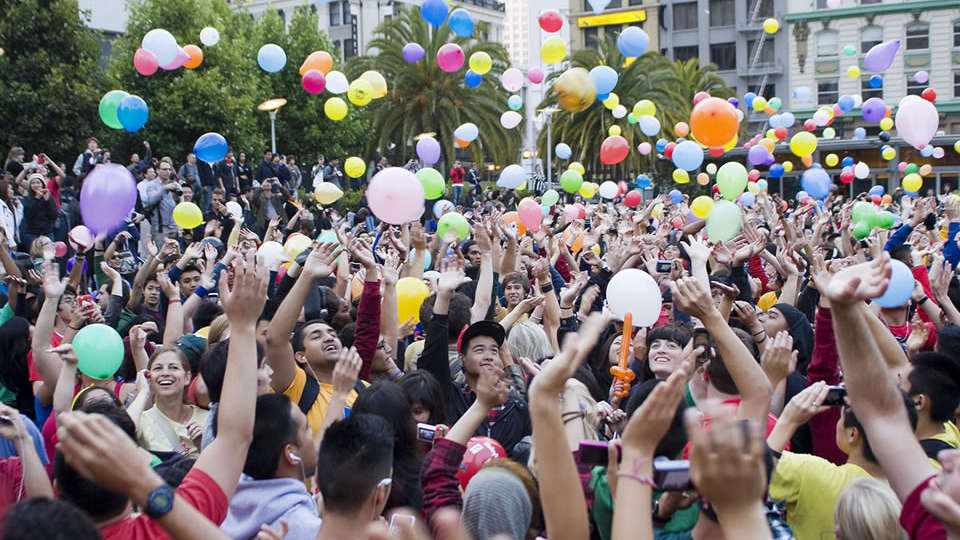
425 134
271 106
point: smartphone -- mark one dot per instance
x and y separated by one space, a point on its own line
663 267
672 475
835 396
426 432
86 301
40 159
594 453
400 523
701 338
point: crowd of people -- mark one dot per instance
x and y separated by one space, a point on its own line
284 397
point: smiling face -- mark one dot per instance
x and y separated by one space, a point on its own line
321 345
663 357
168 375
514 293
482 351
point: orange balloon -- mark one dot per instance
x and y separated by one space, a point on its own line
356 286
462 143
513 217
887 199
807 160
319 60
196 56
681 129
703 179
714 122
577 244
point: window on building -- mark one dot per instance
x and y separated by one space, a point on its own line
956 84
334 14
349 48
766 53
867 91
764 7
828 43
685 16
724 55
685 53
768 90
721 13
635 2
822 4
611 5
866 2
283 16
482 30
590 37
914 88
828 91
347 16
870 36
956 34
918 37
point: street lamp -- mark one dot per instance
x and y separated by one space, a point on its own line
271 106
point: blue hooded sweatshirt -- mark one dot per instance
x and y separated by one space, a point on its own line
259 502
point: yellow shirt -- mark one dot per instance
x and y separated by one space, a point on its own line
811 486
319 408
949 435
154 437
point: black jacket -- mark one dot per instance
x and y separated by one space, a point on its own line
227 173
39 215
265 170
206 174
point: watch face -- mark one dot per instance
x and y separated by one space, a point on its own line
162 500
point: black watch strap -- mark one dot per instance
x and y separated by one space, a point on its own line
159 502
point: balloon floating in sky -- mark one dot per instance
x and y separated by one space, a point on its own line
413 52
510 119
916 120
132 112
317 60
145 62
467 132
450 57
633 41
512 79
210 147
395 196
107 197
162 44
563 151
550 20
472 79
604 79
614 150
271 58
480 62
880 56
209 36
714 122
313 81
535 75
337 82
434 12
599 5
428 150
196 56
553 50
108 108
575 90
461 22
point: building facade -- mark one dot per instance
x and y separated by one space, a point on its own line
587 27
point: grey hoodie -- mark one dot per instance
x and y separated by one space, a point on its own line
259 502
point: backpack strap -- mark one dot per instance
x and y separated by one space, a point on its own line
311 389
167 431
932 447
359 387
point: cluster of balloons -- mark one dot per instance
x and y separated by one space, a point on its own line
120 110
160 50
865 217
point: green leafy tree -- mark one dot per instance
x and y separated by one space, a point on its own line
423 98
695 78
51 80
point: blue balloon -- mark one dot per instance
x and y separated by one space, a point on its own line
876 81
733 101
845 103
661 144
602 97
515 102
472 78
633 41
271 58
774 120
802 94
816 182
461 22
426 260
563 151
688 155
747 199
643 181
847 162
132 113
900 287
762 184
604 79
748 99
776 171
926 151
676 196
210 147
650 126
787 119
859 133
876 190
434 12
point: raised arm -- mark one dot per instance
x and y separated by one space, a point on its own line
47 363
366 332
35 481
481 297
174 325
63 394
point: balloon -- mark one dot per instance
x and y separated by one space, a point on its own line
441 207
680 176
377 82
724 221
553 50
196 56
588 190
510 119
803 143
512 177
60 249
512 79
633 291
886 124
633 199
771 26
703 179
614 150
360 92
632 41
574 89
434 12
132 113
467 132
881 56
577 166
713 122
413 52
450 57
701 206
917 120
681 129
644 107
758 155
609 190
831 160
861 170
313 81
395 196
80 238
461 23
337 82
688 155
802 94
480 62
550 20
614 131
210 147
529 213
432 181
649 125
619 112
925 169
816 182
209 36
762 184
535 75
604 79
327 193
99 351
428 150
873 109
767 300
829 133
335 109
411 292
107 197
479 451
354 167
938 152
454 221
759 103
472 79
108 108
883 219
563 151
271 58
731 180
644 148
861 230
145 62
571 181
900 287
295 245
162 44
187 215
515 102
876 81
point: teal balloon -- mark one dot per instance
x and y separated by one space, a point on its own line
328 237
724 221
427 260
515 102
99 351
731 180
550 197
456 221
108 108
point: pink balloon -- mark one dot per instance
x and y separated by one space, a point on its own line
644 148
570 212
80 238
902 166
178 61
535 75
145 62
450 57
530 214
60 249
396 196
313 81
916 120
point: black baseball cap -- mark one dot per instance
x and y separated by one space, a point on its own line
481 328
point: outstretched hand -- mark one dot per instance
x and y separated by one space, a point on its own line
859 282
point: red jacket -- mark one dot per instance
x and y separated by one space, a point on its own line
366 333
438 477
825 366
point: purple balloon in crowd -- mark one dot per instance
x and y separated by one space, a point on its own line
413 52
428 150
758 155
873 109
108 195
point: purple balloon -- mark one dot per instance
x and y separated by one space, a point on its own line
413 52
108 195
758 155
428 150
873 109
880 56
70 261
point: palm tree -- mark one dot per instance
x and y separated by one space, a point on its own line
423 98
693 78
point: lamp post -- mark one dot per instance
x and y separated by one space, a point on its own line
272 106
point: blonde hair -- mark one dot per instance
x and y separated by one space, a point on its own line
529 340
219 330
868 510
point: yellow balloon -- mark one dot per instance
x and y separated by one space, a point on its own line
612 101
644 107
889 153
187 215
377 82
701 206
553 50
831 160
771 26
732 144
771 134
587 190
787 166
886 124
681 176
354 167
767 300
595 249
912 182
295 245
853 72
768 144
803 143
335 108
480 62
577 166
360 92
752 187
925 169
327 193
575 89
411 292
614 130
759 103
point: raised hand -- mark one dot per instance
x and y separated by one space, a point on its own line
697 249
319 263
492 386
53 286
576 346
170 290
67 354
779 359
390 269
109 271
244 301
805 405
451 276
859 282
691 298
346 370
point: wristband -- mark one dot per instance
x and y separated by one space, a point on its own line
173 301
201 291
923 300
546 288
396 375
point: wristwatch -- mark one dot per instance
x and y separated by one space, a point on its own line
159 502
658 521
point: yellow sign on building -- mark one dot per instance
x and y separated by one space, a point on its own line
612 18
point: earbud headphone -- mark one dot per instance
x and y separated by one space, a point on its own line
294 458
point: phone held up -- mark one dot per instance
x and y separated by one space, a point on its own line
668 474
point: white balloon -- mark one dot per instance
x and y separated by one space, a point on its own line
739 115
512 177
270 253
162 44
619 111
209 36
634 291
821 117
609 190
234 208
512 79
510 119
861 170
337 82
441 206
467 132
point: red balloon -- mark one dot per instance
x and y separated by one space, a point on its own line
846 177
716 151
633 198
780 133
716 188
929 94
700 96
581 211
677 223
614 150
550 20
479 451
668 150
876 199
830 121
810 125
623 187
753 175
783 205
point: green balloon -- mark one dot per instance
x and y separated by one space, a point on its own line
99 351
724 221
883 219
631 119
862 211
328 237
911 168
731 180
108 108
550 197
455 220
571 181
432 180
862 230
849 50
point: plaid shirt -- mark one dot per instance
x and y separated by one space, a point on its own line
776 518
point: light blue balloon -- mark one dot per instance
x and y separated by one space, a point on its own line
643 181
845 103
762 184
271 58
544 209
900 287
801 195
774 121
132 113
787 119
461 22
515 102
816 182
434 12
688 155
649 125
604 79
675 196
747 199
926 151
876 190
427 260
859 133
633 41
472 78
802 94
563 151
